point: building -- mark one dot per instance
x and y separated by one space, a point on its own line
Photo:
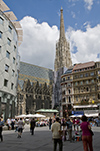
86 86
35 86
10 39
67 91
62 62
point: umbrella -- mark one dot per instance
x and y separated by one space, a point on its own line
29 115
38 115
20 116
76 115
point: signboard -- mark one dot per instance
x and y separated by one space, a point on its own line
78 112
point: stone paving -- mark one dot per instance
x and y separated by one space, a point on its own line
41 141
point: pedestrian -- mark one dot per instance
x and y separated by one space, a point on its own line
16 125
12 123
1 125
50 123
9 123
69 129
86 135
56 134
20 128
32 126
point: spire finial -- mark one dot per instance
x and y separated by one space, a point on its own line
62 29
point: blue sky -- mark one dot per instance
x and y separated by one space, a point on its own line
40 20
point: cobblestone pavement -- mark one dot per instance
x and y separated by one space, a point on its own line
41 141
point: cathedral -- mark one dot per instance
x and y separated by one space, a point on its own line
34 88
40 88
62 63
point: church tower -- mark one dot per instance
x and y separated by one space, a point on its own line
62 62
63 57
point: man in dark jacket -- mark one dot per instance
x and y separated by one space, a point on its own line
32 126
1 125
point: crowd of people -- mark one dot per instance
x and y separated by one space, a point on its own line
63 126
63 129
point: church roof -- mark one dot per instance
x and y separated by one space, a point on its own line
34 73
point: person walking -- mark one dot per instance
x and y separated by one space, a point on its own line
86 134
69 129
1 125
32 126
20 128
50 123
9 123
56 134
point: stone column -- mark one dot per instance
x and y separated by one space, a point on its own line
7 108
13 109
1 96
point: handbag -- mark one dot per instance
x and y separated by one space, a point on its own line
91 132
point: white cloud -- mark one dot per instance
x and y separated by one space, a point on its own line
87 44
73 14
88 4
39 42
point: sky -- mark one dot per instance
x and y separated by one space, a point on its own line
40 21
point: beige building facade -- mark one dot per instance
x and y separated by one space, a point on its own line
85 86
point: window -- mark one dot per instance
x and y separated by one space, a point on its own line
13 60
76 83
92 73
7 54
81 82
81 76
68 78
9 29
14 48
5 82
12 86
13 73
87 89
6 67
0 34
92 81
86 75
69 91
87 81
8 41
69 84
1 20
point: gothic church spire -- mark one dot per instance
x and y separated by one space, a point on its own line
63 57
62 28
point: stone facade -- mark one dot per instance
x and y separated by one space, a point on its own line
63 57
67 91
84 86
